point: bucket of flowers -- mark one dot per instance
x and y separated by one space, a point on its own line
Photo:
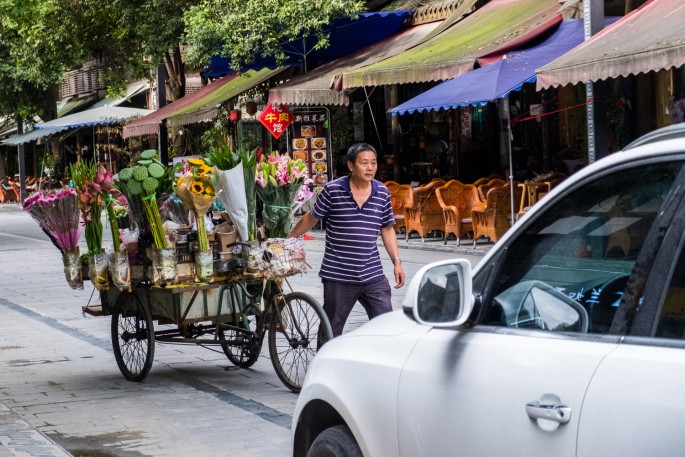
195 188
279 178
140 184
57 215
88 179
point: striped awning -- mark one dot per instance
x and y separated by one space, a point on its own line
31 136
498 26
650 38
206 108
322 85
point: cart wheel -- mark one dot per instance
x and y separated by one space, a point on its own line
133 337
246 354
293 337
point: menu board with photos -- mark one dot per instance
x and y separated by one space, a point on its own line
310 141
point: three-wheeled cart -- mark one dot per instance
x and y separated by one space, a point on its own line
233 313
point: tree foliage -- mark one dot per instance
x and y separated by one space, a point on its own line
40 40
245 29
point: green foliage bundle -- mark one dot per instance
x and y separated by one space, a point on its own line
221 156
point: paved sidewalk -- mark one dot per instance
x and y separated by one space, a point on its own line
60 387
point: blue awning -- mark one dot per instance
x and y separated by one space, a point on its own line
498 79
347 35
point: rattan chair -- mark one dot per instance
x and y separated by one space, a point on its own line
423 213
457 200
495 219
483 189
400 194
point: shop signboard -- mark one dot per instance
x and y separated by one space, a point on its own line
276 118
310 140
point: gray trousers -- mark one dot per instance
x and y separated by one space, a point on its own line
339 299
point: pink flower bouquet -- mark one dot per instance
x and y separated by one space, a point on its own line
57 215
279 179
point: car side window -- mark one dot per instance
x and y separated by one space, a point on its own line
567 271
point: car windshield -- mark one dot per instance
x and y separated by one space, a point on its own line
581 252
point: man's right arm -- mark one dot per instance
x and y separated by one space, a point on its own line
305 224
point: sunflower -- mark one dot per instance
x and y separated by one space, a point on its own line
204 169
197 187
179 181
194 161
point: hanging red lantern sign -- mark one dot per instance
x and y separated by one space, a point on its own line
276 118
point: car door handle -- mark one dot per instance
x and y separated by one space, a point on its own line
554 412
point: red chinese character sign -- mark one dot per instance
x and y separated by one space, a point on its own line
276 119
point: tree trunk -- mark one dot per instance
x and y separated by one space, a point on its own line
176 78
49 103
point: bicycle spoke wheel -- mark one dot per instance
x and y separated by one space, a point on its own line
245 353
133 337
293 336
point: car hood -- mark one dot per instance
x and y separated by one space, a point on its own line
389 324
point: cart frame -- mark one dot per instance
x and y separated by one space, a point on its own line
234 314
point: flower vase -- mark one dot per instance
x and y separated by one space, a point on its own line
97 270
119 269
164 266
251 255
72 268
204 265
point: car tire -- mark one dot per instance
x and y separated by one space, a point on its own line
336 441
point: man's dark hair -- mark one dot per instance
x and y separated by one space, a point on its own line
357 149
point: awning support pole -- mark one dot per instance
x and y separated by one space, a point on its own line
593 22
505 137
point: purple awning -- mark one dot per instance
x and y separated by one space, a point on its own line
497 79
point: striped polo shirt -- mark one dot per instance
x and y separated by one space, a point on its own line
351 253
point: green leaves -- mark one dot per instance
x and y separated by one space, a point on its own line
221 156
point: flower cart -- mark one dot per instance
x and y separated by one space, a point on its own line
168 279
234 313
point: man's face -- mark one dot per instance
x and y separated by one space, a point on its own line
364 167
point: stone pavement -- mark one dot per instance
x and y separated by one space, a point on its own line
61 392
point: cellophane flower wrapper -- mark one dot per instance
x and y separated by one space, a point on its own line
196 203
204 265
174 210
282 257
234 198
97 270
57 215
72 268
279 179
119 270
278 214
164 266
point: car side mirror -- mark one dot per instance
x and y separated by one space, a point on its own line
440 293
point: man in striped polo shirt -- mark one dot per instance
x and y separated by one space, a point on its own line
357 209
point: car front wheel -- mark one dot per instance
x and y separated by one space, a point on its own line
336 441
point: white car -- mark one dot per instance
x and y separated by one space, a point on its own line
567 340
